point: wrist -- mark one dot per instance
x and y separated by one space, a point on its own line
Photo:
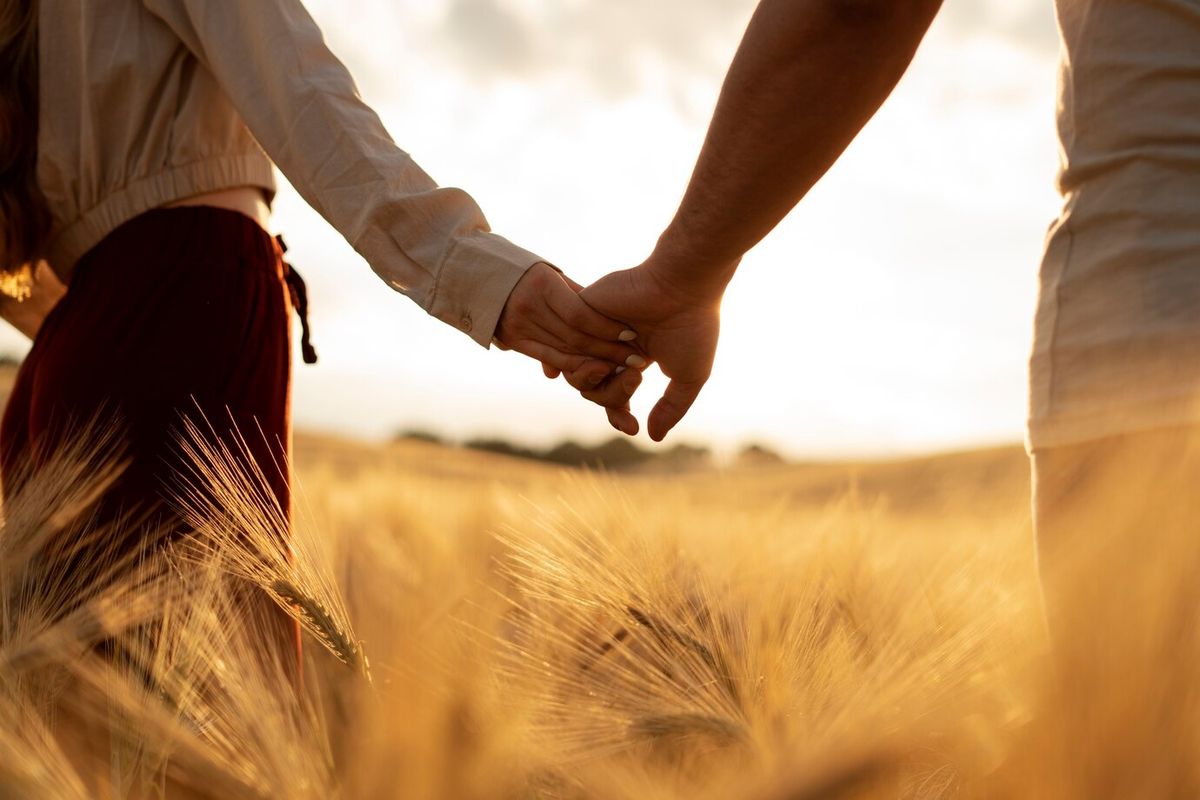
687 273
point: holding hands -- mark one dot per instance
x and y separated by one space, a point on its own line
760 157
572 331
546 320
677 325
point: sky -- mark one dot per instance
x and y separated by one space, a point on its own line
890 313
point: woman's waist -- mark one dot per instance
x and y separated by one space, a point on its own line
250 201
220 239
235 181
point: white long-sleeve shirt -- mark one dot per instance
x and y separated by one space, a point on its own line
144 102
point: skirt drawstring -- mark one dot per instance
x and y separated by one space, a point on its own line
299 295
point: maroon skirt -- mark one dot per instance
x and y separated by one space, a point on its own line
179 311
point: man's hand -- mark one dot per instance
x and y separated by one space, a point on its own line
677 326
546 320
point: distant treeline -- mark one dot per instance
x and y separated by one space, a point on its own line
619 453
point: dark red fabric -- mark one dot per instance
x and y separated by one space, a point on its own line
179 310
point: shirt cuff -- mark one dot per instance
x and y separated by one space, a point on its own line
474 283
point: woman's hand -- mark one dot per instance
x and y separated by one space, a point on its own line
546 320
677 325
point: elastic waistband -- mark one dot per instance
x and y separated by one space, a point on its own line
148 194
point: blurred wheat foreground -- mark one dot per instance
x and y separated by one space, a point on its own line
483 627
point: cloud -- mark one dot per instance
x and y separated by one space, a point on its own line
615 47
604 45
1028 24
612 49
488 39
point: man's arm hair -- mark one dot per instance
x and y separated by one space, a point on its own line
806 78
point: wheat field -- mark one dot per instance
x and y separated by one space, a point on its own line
482 627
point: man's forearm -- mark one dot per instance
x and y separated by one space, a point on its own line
807 77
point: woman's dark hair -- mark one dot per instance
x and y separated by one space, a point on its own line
24 219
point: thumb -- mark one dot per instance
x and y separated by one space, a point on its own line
671 407
613 295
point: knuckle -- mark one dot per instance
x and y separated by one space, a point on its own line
546 281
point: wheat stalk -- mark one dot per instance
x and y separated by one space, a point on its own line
323 625
240 523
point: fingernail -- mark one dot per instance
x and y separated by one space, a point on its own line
618 370
594 380
635 361
627 336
